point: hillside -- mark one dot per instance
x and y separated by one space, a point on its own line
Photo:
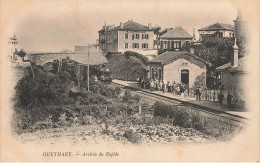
127 66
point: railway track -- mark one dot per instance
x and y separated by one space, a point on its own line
206 110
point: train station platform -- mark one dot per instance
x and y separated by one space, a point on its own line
204 103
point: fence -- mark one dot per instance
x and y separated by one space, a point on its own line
206 94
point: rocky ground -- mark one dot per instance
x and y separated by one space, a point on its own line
135 134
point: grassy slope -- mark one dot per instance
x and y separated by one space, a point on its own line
124 68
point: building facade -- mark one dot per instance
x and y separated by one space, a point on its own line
178 66
216 30
232 76
129 36
175 39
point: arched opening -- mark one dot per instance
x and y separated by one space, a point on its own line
185 76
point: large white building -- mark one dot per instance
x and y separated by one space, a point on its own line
129 36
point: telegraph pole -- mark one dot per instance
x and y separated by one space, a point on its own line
88 66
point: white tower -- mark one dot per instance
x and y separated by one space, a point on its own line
13 47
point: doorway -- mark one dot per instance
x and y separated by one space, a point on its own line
185 76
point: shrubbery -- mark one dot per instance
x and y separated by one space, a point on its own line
127 66
144 59
129 98
187 118
31 119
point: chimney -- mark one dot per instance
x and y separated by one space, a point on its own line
192 50
149 25
121 25
194 36
234 57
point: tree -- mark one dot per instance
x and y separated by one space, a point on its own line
216 51
21 53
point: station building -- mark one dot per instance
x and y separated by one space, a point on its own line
178 66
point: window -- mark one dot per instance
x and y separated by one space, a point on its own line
165 43
126 45
144 46
133 36
145 36
135 45
177 44
126 36
137 36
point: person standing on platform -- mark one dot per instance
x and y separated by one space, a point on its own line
151 85
229 99
169 86
200 93
220 99
156 84
197 92
174 87
163 87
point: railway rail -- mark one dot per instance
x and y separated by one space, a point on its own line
177 102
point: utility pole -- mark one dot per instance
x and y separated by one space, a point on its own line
88 66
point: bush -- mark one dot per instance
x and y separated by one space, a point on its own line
132 136
183 117
117 91
127 96
126 67
98 99
42 88
144 59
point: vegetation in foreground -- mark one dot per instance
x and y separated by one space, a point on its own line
50 101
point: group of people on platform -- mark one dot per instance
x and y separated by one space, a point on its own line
169 86
221 97
180 89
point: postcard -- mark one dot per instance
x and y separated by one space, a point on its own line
129 81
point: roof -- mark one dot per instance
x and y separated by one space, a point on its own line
240 68
13 38
131 25
173 55
84 49
217 26
178 32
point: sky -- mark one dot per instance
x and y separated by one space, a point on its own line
56 25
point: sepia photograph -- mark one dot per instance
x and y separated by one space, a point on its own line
132 81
